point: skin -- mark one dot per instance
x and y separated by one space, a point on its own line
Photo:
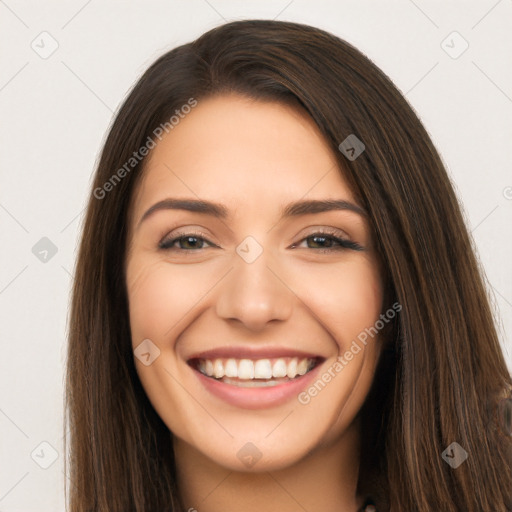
253 157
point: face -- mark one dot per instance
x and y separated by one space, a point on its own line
249 302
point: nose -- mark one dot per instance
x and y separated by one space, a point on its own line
254 294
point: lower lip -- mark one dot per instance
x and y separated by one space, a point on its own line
257 398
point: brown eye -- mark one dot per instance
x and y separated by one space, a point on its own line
328 242
186 242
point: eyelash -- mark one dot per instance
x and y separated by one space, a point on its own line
326 234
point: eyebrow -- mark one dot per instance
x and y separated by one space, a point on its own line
220 211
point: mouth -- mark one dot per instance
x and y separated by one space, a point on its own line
254 377
255 373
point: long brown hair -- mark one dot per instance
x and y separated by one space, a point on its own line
442 374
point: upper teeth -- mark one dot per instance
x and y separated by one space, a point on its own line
259 369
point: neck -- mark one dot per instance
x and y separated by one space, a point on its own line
324 480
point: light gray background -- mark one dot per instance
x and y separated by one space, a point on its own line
55 113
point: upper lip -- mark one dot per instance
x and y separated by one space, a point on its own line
252 353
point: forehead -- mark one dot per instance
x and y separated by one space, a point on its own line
245 151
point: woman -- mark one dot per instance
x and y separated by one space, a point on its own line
276 303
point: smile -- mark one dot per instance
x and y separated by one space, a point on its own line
254 377
255 373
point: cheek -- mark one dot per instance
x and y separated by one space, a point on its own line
157 298
347 299
162 295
